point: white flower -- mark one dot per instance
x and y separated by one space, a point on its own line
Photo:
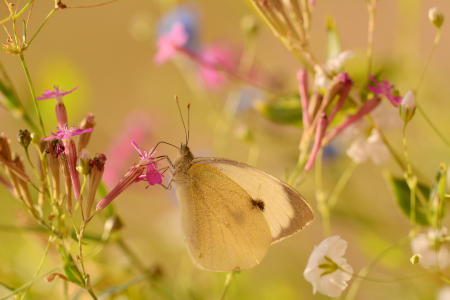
323 274
434 253
333 66
436 17
361 149
444 293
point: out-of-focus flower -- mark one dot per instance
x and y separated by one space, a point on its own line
186 14
324 266
170 43
212 59
436 17
86 123
136 127
134 175
444 293
432 248
333 66
373 147
386 89
65 133
407 107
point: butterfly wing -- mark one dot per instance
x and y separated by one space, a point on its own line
224 229
285 209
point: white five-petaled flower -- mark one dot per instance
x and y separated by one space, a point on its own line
333 66
324 266
433 250
373 147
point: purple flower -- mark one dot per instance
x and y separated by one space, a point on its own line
386 89
65 133
151 175
56 94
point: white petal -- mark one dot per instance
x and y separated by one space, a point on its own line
377 149
335 63
358 150
444 293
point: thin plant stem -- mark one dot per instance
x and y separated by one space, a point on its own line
320 196
41 264
422 76
366 269
371 7
33 94
411 184
42 25
32 166
385 280
432 125
341 184
228 280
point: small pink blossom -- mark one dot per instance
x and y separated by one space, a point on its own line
65 133
151 175
56 94
386 89
212 58
170 43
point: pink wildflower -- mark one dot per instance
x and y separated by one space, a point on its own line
212 58
134 175
65 133
170 43
386 89
56 94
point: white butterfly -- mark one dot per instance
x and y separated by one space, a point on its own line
232 212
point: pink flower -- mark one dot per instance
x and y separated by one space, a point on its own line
56 94
170 43
151 175
386 89
212 58
135 175
65 133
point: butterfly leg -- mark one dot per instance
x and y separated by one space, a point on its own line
169 185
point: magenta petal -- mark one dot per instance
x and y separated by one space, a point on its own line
153 177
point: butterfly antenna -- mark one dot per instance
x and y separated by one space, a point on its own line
179 109
189 117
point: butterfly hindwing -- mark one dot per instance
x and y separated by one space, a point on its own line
285 210
223 226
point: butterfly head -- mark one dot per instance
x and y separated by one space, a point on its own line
184 149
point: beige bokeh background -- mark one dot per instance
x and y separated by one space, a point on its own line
95 50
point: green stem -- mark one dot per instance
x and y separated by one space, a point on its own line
42 25
371 8
320 196
33 94
22 10
436 42
341 184
228 280
41 264
384 280
32 166
366 269
408 163
411 181
432 125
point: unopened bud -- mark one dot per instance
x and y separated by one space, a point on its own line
95 177
415 259
249 25
61 114
35 139
407 107
244 134
83 160
436 17
24 138
86 123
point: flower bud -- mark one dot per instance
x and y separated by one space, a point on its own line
95 177
53 163
35 139
112 224
86 123
415 259
436 17
24 138
5 159
71 155
83 160
407 107
67 180
249 25
244 134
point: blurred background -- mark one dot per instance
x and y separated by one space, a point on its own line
108 52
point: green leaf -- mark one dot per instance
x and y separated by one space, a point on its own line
402 195
283 110
333 39
70 268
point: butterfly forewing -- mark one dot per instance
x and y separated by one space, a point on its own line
285 210
223 226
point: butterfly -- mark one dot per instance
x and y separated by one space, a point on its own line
232 212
